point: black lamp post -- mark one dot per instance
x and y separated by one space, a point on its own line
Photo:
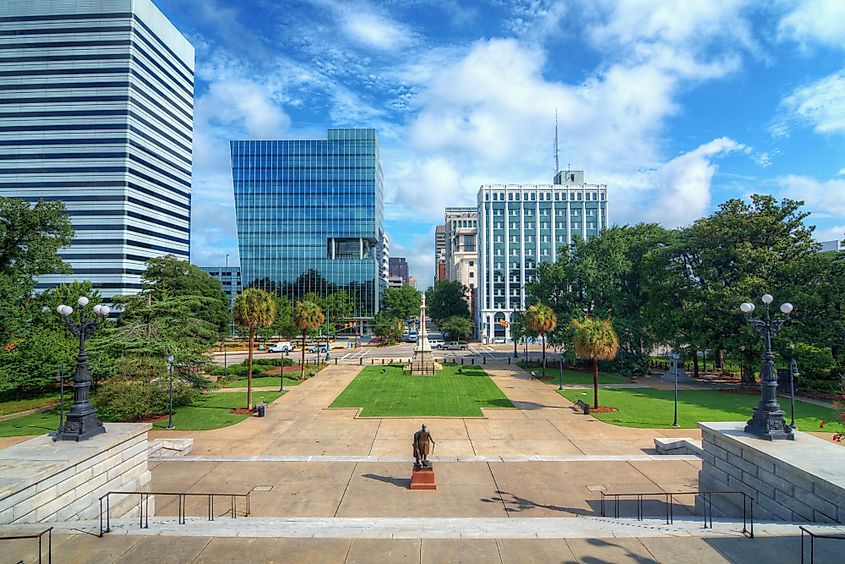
81 422
768 420
560 387
793 374
676 357
170 390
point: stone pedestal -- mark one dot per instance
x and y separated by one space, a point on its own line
423 479
800 480
44 481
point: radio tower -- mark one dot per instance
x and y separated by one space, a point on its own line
557 155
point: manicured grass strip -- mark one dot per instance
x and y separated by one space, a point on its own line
575 376
653 409
454 391
15 406
263 381
211 411
32 424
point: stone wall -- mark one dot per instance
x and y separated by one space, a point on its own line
43 481
800 480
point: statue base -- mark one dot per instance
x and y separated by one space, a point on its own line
422 364
423 479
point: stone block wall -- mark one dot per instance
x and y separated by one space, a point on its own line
797 480
44 481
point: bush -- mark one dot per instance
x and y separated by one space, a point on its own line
275 362
816 367
130 400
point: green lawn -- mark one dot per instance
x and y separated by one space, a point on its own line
14 406
263 381
455 391
650 408
211 411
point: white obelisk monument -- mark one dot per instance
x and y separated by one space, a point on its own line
423 361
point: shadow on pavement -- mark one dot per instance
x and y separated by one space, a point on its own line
401 482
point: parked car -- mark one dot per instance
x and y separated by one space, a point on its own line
412 337
454 346
435 343
282 347
499 341
319 348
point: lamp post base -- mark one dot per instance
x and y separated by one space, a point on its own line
769 425
79 428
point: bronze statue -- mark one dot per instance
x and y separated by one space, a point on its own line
423 446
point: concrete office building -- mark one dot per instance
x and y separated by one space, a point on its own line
398 267
96 111
310 216
461 253
520 225
439 253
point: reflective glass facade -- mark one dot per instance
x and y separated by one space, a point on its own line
310 216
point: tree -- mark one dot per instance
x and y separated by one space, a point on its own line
337 306
308 316
446 299
542 319
458 328
387 327
30 238
253 308
403 302
283 324
595 339
171 276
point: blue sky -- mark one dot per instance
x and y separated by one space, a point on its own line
676 106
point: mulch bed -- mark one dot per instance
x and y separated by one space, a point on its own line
602 409
241 411
152 419
280 369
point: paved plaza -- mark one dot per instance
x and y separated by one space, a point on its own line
518 485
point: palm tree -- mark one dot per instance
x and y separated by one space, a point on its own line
307 316
595 339
253 308
541 319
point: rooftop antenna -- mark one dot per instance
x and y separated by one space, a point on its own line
557 154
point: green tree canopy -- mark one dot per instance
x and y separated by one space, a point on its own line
457 328
402 302
446 299
387 327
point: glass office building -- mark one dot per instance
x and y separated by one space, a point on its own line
521 225
96 111
310 216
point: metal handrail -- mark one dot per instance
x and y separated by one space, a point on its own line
48 532
813 537
669 501
144 506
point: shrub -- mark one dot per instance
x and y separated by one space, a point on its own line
816 367
130 400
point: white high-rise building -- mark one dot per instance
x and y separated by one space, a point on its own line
521 225
96 110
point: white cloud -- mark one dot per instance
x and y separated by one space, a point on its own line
832 233
825 198
820 104
815 21
364 24
675 193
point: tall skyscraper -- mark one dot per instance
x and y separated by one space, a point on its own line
521 225
96 110
310 216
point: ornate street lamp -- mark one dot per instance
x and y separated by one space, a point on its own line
768 420
81 421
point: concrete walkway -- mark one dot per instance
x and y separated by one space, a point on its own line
300 423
